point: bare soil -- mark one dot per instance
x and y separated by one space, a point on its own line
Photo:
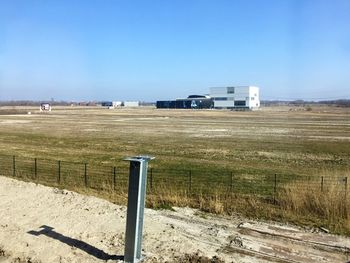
43 224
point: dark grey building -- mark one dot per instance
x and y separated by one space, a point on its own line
191 102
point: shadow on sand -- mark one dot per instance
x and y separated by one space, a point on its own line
98 253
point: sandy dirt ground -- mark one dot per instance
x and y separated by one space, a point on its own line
43 224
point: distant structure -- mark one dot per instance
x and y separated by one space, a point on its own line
106 103
45 107
131 103
191 102
117 104
239 97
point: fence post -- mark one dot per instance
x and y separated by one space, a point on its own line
136 206
14 165
151 178
346 185
85 175
231 184
114 178
345 203
275 190
35 169
321 183
59 173
190 180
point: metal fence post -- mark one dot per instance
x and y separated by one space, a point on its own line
136 206
321 183
85 175
114 178
59 173
151 178
14 165
275 190
35 168
190 181
231 184
346 185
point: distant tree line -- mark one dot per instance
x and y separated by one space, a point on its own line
59 103
32 103
338 103
52 103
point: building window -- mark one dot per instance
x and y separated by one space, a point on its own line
252 98
230 90
220 98
240 103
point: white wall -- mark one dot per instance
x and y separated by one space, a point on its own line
131 104
218 90
223 104
249 94
117 103
254 97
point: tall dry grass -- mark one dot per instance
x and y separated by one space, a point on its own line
327 206
219 201
301 203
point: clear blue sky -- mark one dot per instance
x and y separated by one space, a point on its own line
150 50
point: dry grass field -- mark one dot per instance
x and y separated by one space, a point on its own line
276 139
292 142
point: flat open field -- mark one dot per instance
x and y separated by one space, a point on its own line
284 163
282 140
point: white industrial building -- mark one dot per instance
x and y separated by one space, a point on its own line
45 107
131 103
117 104
235 97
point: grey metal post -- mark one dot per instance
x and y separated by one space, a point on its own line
136 207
